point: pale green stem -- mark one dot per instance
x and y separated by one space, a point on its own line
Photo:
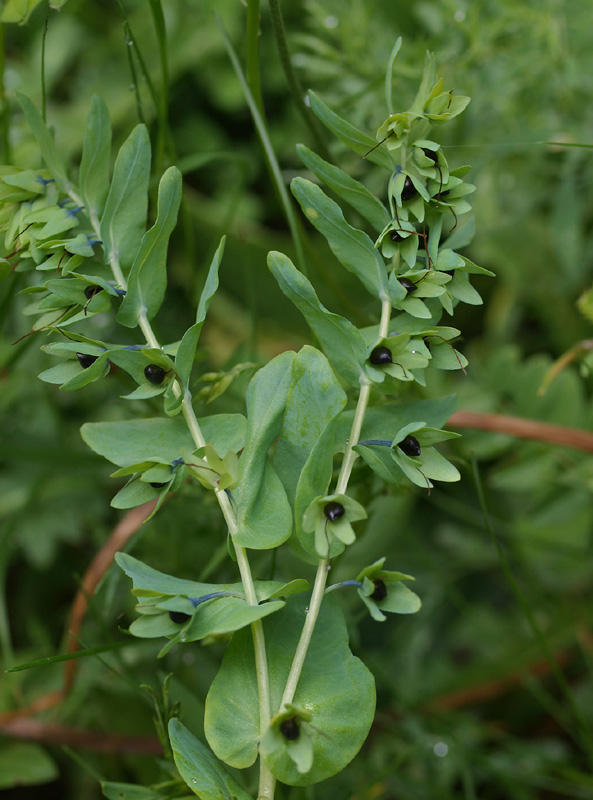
259 644
385 318
323 566
252 71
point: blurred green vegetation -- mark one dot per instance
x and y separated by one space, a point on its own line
528 67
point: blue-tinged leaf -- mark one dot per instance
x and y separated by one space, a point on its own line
94 164
147 281
47 146
351 136
133 441
264 517
341 341
202 772
353 248
335 687
350 190
124 219
186 352
314 398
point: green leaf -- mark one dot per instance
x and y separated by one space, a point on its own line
133 441
389 75
186 353
89 651
351 136
49 151
264 517
147 580
135 493
147 281
18 10
350 190
333 683
314 398
124 218
23 764
214 617
128 791
202 772
96 152
380 461
353 248
341 341
226 615
150 582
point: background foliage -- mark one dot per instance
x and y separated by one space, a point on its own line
468 703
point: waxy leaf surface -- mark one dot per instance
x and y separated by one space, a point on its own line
342 342
314 398
186 352
353 248
334 686
203 773
147 281
264 517
124 219
133 441
94 164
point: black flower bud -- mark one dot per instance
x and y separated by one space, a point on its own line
178 617
333 511
380 592
409 286
381 355
289 728
409 189
410 446
430 154
85 360
91 291
154 374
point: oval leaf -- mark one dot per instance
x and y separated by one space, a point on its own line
335 686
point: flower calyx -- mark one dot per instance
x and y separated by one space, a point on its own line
414 453
394 357
383 591
290 731
332 516
212 471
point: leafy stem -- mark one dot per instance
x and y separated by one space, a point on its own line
261 664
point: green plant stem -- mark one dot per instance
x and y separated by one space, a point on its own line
323 566
293 81
269 154
385 319
43 38
252 70
165 138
